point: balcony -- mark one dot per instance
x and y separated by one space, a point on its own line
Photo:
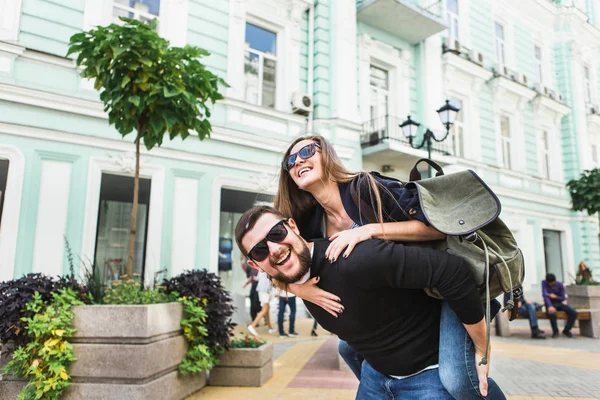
384 144
406 19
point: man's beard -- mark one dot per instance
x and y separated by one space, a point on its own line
304 260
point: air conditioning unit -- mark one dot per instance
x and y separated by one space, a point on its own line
500 69
451 44
302 103
519 78
476 57
593 109
552 94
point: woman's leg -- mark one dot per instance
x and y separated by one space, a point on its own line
457 360
282 302
351 357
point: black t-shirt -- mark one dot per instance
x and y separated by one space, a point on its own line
388 318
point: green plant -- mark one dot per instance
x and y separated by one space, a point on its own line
585 191
218 307
246 342
199 356
17 293
130 291
147 86
45 360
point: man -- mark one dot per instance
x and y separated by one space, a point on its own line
529 309
553 292
387 317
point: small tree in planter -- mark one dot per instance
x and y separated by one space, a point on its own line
148 87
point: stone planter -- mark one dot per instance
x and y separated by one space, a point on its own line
244 367
126 352
586 297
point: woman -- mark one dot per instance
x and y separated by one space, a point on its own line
316 190
584 275
264 295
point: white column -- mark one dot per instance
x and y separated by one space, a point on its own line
433 96
10 15
96 13
580 112
174 21
52 217
235 53
185 224
344 59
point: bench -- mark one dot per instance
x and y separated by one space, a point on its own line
582 315
589 319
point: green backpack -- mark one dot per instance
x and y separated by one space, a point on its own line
464 208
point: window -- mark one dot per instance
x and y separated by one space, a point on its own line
457 130
538 64
587 82
505 141
379 101
142 10
114 219
544 155
594 157
3 180
553 253
260 66
452 16
500 44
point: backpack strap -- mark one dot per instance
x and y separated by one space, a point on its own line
415 175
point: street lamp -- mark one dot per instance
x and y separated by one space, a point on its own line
447 114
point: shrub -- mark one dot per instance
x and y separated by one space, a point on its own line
14 296
130 291
198 357
206 285
246 342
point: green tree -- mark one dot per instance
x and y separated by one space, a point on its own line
585 191
148 87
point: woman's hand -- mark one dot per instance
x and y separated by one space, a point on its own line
309 291
347 240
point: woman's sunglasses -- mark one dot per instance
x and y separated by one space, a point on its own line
260 251
305 153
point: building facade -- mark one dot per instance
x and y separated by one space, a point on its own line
525 74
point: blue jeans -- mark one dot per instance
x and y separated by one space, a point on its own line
376 386
457 358
529 310
571 316
291 301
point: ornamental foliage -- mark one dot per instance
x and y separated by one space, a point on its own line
585 191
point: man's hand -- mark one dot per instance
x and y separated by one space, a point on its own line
551 310
482 370
552 296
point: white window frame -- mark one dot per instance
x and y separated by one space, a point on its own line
137 14
12 210
539 63
588 84
9 20
464 113
545 154
261 57
506 141
595 149
500 42
453 20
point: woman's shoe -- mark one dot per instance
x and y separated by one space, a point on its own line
313 333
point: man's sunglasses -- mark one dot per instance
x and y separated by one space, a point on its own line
305 153
260 251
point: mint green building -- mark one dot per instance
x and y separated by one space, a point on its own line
525 74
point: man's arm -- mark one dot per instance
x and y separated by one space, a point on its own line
561 295
547 301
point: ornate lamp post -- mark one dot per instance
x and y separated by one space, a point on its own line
447 114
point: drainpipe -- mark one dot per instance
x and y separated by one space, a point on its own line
311 61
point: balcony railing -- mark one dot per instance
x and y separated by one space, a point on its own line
383 129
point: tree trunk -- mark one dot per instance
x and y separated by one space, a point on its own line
136 190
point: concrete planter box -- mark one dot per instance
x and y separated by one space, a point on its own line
127 352
244 367
586 297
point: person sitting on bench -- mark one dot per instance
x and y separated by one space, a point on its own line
528 309
553 292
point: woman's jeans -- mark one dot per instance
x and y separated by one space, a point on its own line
424 385
457 358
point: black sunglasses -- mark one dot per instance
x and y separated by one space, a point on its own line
260 251
306 152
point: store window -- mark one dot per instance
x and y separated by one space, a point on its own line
260 66
3 180
114 219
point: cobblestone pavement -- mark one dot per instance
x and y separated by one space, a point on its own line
526 369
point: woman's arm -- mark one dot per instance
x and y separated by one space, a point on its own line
405 231
309 291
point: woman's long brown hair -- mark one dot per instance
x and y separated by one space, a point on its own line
299 204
